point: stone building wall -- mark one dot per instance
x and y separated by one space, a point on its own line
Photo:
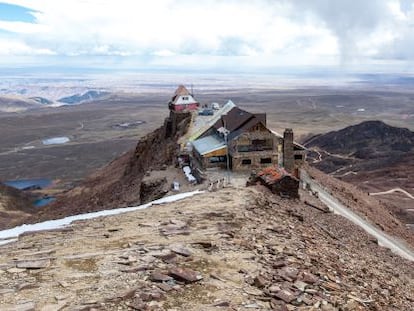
288 152
254 159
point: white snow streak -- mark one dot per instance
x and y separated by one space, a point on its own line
10 235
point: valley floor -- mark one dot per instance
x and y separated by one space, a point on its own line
233 249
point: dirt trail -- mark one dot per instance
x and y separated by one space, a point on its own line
392 191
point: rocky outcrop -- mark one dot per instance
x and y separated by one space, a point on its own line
153 189
15 206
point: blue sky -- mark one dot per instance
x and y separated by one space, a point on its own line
225 35
12 12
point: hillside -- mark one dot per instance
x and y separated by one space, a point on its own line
15 206
372 155
237 248
18 104
367 140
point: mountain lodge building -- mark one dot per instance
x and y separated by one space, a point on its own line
183 100
236 138
249 144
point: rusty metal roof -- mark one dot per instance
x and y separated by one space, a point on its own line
181 90
273 174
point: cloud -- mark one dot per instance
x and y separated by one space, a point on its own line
17 48
261 32
351 22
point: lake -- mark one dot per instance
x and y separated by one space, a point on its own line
26 184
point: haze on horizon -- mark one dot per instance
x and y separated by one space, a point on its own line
349 36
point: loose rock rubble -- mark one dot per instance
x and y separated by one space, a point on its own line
234 249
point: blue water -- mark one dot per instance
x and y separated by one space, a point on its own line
23 184
43 201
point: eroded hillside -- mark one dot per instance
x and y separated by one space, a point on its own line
15 206
234 249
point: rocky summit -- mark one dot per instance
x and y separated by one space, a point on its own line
232 249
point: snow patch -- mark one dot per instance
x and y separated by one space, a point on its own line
56 140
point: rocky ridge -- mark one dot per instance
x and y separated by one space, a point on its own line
234 249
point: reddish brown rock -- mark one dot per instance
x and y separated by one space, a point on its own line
309 278
285 295
279 264
181 251
185 275
289 273
331 286
259 281
159 277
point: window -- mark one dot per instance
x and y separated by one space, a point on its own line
265 160
259 142
243 148
246 162
218 159
298 157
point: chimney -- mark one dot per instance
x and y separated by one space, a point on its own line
288 157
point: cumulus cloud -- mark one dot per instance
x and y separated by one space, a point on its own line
261 32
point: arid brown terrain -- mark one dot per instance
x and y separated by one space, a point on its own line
95 138
108 129
375 157
234 249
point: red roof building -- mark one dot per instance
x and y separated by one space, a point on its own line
183 100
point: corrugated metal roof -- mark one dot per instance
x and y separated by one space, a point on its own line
209 144
225 109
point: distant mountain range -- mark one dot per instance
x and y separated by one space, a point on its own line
85 97
19 103
42 100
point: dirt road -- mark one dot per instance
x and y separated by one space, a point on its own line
383 239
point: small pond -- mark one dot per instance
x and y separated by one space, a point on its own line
43 201
56 140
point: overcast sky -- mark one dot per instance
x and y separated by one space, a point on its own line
365 35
